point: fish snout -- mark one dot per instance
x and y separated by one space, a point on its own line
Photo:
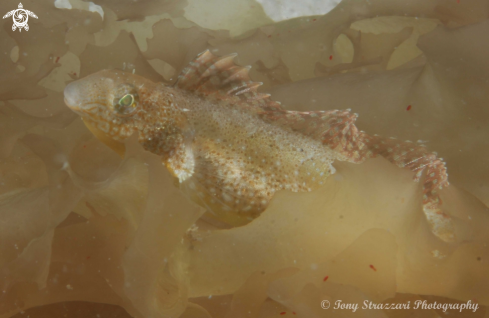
89 92
72 96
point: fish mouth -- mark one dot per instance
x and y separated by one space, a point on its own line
71 96
68 104
80 108
75 108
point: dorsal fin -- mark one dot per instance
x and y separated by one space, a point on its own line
219 77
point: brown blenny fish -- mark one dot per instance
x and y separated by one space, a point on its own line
230 147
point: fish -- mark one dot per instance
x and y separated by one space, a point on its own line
230 147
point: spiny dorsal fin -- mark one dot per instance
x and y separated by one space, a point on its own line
220 77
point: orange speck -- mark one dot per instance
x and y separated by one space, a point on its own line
314 20
331 57
409 107
458 1
283 313
57 59
293 312
325 278
84 146
373 267
269 36
88 257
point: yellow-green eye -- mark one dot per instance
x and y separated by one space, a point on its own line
126 104
126 100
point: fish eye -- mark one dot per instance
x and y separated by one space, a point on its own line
127 102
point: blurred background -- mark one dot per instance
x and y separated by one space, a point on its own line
415 70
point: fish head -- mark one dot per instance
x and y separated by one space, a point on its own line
111 103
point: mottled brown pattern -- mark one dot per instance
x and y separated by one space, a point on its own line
232 148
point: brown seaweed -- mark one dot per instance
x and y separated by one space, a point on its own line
86 233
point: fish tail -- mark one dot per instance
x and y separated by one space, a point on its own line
337 130
420 160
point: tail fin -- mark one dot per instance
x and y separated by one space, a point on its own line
418 159
337 130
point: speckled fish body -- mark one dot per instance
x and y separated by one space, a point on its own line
230 147
241 160
226 157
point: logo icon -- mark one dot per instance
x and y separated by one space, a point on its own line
325 304
20 17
